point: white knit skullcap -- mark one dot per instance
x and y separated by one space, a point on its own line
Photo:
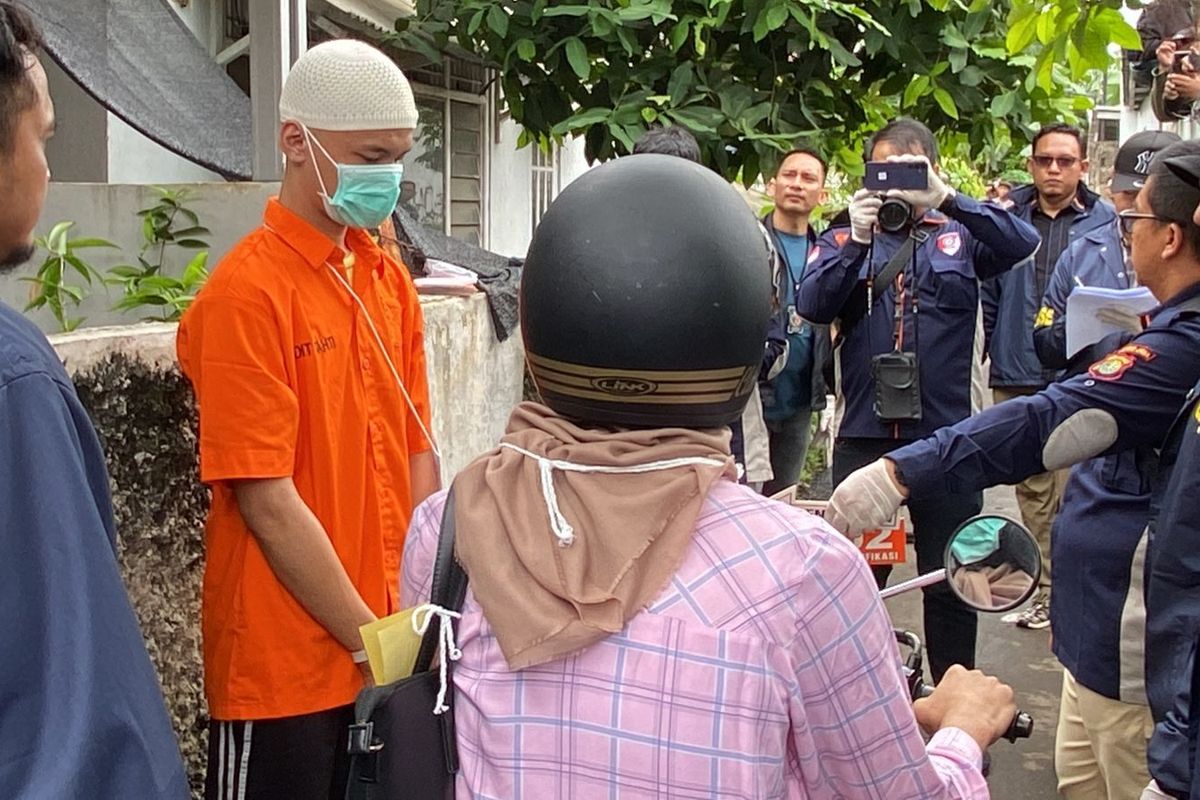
347 85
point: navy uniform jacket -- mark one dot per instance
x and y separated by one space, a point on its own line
1173 602
1011 302
1095 259
81 712
1098 612
975 240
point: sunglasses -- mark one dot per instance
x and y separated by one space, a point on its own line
1064 162
1126 220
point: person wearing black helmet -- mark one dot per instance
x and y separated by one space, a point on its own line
750 443
636 621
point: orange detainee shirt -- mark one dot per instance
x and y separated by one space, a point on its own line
290 382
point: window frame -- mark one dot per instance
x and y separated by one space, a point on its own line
445 95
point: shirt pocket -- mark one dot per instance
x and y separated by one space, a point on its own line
1121 474
955 288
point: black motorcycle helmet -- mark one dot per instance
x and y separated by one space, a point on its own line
645 297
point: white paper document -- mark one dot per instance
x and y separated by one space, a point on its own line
1084 328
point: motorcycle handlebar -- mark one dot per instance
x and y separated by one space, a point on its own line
1021 727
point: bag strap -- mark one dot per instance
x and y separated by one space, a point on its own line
904 254
449 584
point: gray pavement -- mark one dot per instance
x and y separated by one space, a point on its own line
1021 658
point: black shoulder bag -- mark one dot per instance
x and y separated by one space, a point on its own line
399 749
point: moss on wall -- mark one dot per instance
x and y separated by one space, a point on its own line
146 421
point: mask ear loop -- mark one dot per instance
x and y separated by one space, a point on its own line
437 454
309 140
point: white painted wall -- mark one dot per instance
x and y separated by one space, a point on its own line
510 215
132 158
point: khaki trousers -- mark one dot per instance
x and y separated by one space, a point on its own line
1038 497
1100 746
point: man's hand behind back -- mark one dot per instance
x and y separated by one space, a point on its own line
978 704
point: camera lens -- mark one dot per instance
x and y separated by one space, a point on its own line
894 215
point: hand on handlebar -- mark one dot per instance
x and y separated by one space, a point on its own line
978 704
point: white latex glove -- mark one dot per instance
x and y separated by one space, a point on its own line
935 193
1120 319
1152 792
868 499
864 211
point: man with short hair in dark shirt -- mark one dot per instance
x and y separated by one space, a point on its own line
1061 208
81 713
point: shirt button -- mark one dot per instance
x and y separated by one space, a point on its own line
366 364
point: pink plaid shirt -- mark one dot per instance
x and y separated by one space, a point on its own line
767 668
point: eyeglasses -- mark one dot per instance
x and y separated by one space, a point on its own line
1064 162
1127 218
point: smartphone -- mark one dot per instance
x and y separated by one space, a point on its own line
884 175
1181 58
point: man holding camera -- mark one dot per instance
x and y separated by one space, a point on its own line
902 280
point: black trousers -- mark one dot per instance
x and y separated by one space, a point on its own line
292 758
950 625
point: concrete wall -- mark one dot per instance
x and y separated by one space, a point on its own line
109 211
143 410
78 152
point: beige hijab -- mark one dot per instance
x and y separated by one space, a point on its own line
560 550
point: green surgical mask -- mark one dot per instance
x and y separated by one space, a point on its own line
366 194
977 541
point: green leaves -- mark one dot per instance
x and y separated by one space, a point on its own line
168 223
578 58
52 287
497 20
753 77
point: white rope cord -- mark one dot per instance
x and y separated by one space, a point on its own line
559 524
395 374
437 454
447 647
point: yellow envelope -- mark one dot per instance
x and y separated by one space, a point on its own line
392 646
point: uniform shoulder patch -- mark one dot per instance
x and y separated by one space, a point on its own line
814 254
1116 364
950 243
841 237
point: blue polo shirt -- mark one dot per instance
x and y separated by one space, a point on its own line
81 713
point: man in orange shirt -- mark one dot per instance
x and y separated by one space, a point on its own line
305 350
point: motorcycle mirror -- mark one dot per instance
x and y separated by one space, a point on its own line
993 563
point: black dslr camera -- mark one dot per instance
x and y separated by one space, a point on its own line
895 215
